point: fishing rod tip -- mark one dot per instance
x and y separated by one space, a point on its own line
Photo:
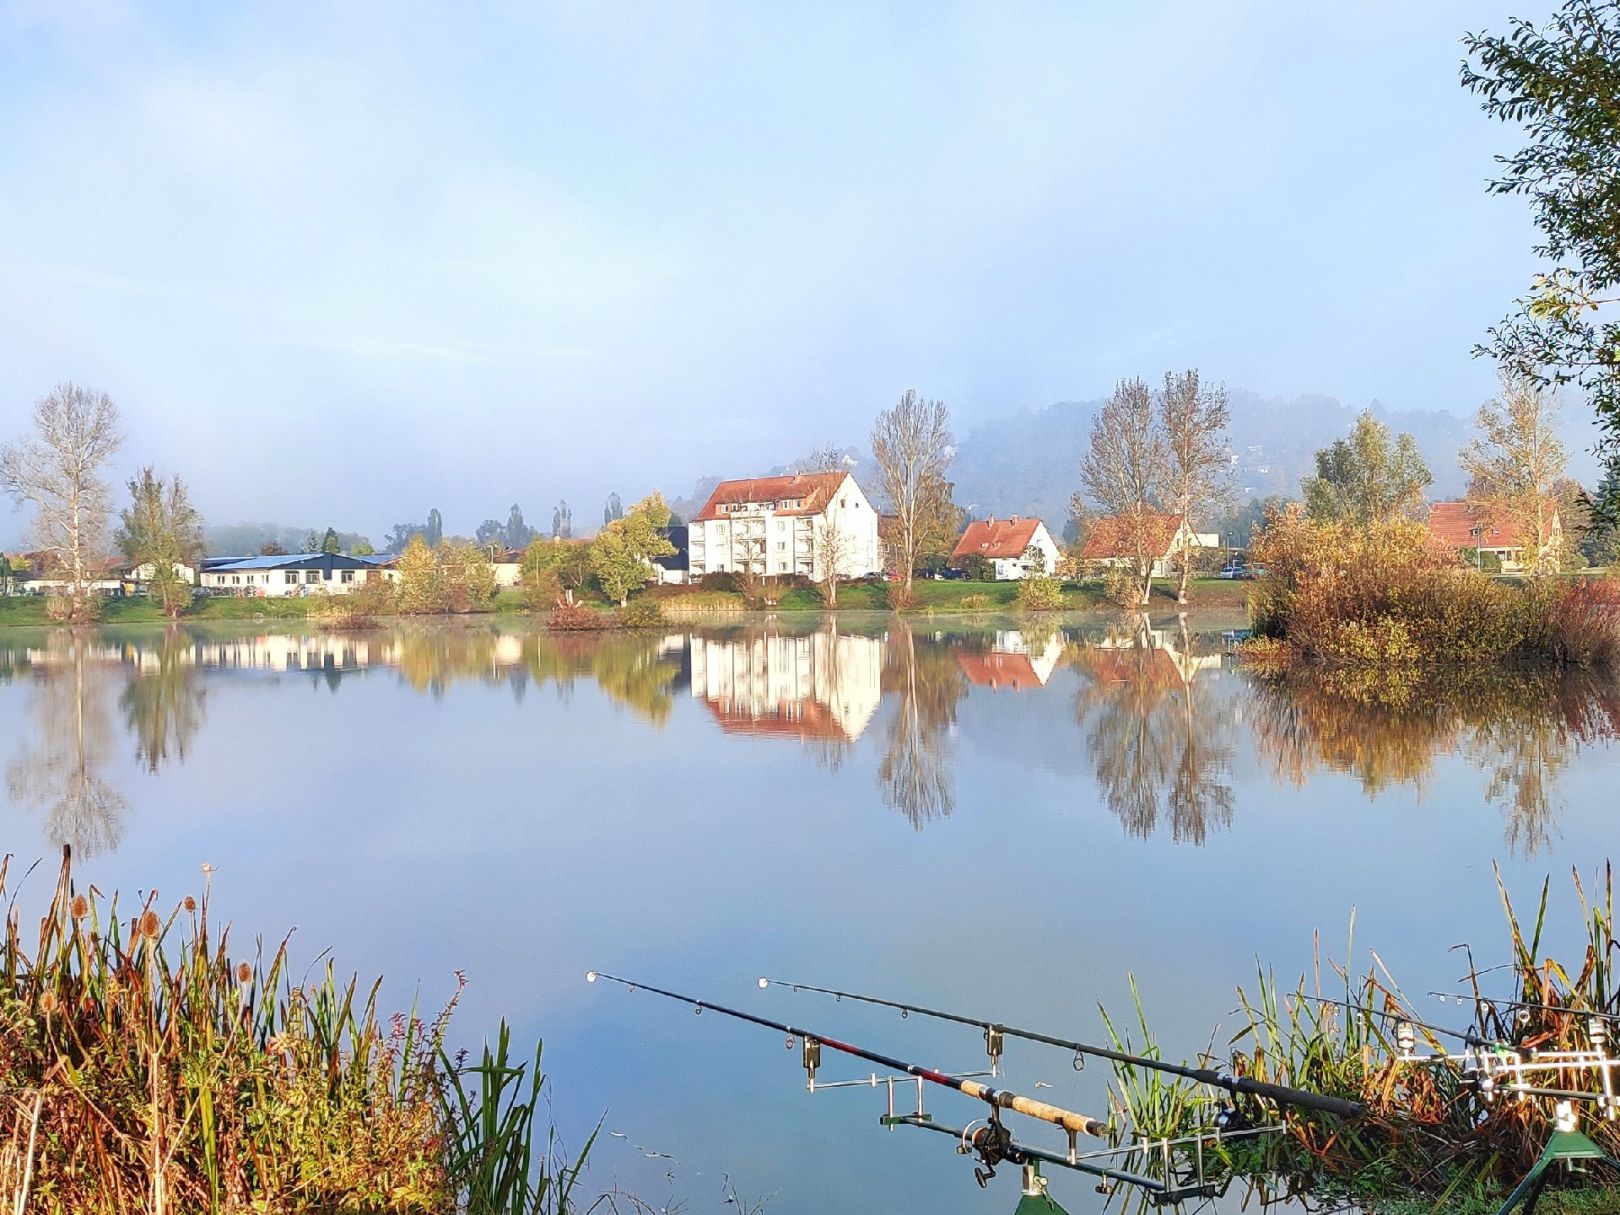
590 976
763 982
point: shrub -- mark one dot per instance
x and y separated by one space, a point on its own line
642 613
1380 592
577 618
1039 593
1583 622
975 602
1121 587
898 596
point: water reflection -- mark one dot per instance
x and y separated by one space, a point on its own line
1160 742
56 770
1519 727
1152 713
926 684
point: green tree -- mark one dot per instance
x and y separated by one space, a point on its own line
421 582
361 548
466 574
330 542
1369 477
622 552
1561 85
161 528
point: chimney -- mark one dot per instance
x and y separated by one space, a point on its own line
991 521
1015 518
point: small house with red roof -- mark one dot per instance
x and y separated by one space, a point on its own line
785 526
1490 531
1015 548
1154 538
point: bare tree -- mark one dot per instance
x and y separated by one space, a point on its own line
1124 473
834 549
827 458
911 444
57 471
1516 461
1198 469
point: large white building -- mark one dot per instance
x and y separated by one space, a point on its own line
824 685
294 574
780 526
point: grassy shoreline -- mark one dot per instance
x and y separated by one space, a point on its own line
148 1064
27 611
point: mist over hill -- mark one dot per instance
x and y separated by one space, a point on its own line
1029 463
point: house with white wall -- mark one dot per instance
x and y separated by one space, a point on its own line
294 574
1015 548
777 527
1161 539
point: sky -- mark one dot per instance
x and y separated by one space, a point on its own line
338 263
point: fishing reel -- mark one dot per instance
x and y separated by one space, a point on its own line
992 1143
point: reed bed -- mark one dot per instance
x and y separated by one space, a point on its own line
146 1065
1428 1137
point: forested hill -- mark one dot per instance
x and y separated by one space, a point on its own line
1030 463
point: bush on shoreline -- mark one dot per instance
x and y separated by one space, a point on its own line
1386 592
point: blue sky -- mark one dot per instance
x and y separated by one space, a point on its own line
341 262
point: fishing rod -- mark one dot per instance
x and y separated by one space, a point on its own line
1468 1036
1569 1010
996 1098
995 1030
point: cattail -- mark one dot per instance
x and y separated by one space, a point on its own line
80 907
149 926
244 973
190 903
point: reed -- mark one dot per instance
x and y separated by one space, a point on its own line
1427 1134
147 1065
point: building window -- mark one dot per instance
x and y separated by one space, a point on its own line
289 577
781 546
312 575
236 579
346 576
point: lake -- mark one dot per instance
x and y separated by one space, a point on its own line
1000 820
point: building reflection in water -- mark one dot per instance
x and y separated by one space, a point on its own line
1158 715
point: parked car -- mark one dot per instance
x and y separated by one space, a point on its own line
1231 571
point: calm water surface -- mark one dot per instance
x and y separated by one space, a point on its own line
1002 821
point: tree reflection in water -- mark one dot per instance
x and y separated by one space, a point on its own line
1520 726
1158 741
629 668
57 773
163 704
926 685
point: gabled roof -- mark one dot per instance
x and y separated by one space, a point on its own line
676 534
790 719
1114 536
995 669
1004 538
1476 525
814 490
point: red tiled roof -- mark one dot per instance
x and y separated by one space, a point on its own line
1004 538
790 719
1474 525
997 669
1113 536
813 489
